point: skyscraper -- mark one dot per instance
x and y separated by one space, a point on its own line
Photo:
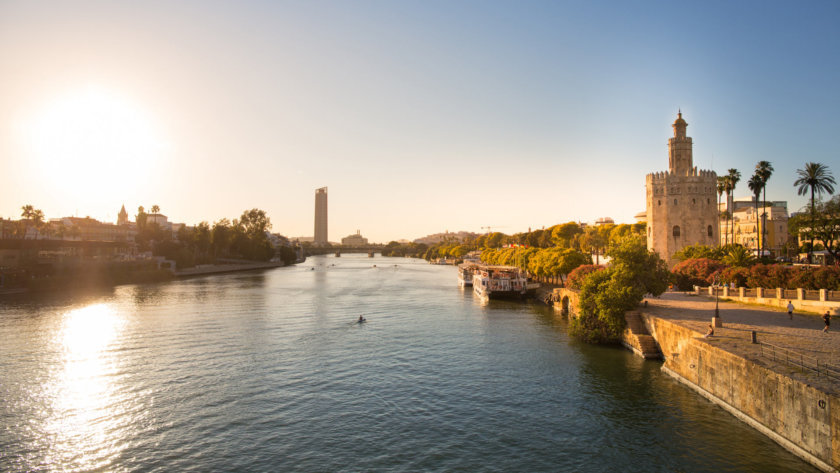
321 215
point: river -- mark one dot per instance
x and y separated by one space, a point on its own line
267 371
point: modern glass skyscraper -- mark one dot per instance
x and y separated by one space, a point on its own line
321 215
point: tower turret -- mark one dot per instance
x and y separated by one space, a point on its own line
680 161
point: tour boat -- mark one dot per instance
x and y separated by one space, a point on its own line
500 282
465 273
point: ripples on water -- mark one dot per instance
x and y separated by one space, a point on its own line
268 372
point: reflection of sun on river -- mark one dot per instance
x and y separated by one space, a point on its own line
82 397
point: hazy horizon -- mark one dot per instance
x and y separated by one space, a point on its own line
419 117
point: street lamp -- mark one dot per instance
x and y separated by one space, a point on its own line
716 322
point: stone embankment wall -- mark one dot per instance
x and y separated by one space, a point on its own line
802 300
801 418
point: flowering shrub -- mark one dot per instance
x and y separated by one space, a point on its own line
695 272
576 277
733 275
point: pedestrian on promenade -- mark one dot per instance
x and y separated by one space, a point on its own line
790 309
710 332
827 320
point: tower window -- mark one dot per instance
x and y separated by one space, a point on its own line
693 201
709 231
675 201
676 230
658 202
708 201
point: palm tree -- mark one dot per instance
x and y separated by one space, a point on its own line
818 179
155 209
756 184
733 178
764 170
721 188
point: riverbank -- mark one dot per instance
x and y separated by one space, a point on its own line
764 384
207 269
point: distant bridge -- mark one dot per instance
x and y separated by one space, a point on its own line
312 251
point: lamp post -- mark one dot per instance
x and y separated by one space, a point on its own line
716 322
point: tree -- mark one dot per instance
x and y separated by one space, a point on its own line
563 235
755 186
606 295
826 225
593 241
738 256
817 178
140 218
721 188
764 170
155 209
732 180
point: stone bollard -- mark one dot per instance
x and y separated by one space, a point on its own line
759 293
711 290
823 295
725 291
741 291
754 337
780 293
800 293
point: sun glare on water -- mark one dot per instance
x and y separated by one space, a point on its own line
94 141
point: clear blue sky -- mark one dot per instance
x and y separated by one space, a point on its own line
419 116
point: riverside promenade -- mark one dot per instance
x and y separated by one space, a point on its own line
802 335
787 385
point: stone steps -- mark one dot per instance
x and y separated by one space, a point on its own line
640 340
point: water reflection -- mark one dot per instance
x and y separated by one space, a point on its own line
82 411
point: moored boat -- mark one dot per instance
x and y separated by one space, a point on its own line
465 273
500 282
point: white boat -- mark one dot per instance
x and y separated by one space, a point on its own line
500 282
465 273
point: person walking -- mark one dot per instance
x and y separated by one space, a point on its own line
790 309
827 319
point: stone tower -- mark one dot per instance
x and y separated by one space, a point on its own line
122 217
681 202
321 215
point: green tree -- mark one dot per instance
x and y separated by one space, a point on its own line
732 179
155 209
140 218
563 235
606 295
593 242
755 184
764 169
826 226
721 188
817 178
738 255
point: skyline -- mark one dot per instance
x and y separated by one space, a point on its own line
419 117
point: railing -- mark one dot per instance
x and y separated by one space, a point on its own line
799 360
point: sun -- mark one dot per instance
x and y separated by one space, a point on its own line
93 140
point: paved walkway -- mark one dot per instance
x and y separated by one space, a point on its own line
803 334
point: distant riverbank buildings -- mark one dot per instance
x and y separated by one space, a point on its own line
681 207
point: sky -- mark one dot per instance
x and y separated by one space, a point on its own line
419 116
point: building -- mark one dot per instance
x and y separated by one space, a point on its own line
321 216
746 224
160 220
122 217
604 221
355 240
681 202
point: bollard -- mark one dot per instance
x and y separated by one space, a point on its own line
754 339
